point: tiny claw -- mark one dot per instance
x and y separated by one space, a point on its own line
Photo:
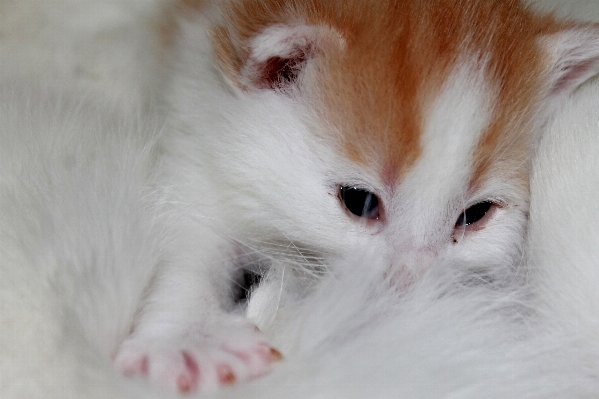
184 385
275 355
226 375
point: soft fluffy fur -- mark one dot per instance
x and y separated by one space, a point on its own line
73 172
563 251
77 258
433 106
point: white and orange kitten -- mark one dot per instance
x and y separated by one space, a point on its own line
372 159
304 131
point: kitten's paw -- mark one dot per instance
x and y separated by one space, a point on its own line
198 362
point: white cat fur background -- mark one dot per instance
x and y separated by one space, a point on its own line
72 167
419 335
563 235
564 250
99 44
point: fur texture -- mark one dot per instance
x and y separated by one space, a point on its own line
280 107
73 173
563 238
111 223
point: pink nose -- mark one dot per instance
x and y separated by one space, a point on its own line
400 276
407 264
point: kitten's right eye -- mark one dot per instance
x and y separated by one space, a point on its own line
360 202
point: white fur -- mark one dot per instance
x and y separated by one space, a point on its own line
433 342
284 40
78 251
107 45
564 240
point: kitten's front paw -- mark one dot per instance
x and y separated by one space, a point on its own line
198 361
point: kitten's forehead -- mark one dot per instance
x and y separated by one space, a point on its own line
374 74
451 130
379 92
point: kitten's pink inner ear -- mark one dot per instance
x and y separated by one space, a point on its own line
277 71
280 53
575 56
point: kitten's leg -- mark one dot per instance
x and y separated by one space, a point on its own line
183 338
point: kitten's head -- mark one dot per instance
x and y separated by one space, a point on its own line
400 126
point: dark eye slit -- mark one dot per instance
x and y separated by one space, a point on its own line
248 281
473 214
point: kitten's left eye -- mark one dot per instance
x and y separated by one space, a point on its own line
360 202
474 215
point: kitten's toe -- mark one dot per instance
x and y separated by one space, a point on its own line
131 362
187 377
176 368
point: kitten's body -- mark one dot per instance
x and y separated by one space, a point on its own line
248 171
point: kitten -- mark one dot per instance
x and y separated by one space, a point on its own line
303 131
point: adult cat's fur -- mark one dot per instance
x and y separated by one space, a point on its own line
564 238
76 249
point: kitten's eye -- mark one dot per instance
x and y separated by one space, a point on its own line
360 202
474 214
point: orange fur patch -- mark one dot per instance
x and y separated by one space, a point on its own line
198 5
374 93
167 26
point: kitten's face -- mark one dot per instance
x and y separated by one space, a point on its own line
434 212
401 128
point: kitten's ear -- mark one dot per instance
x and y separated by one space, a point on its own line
574 58
275 58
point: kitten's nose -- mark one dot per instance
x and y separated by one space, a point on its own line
408 263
